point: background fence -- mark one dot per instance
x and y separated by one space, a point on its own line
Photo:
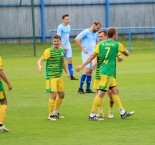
16 18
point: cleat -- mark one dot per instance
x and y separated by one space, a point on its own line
52 117
110 116
3 129
73 78
59 116
100 115
81 91
130 113
89 91
95 118
127 114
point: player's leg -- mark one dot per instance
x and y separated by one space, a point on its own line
100 108
59 98
114 91
70 68
103 87
53 96
51 105
82 80
68 56
97 102
88 73
111 103
58 103
51 101
3 109
117 100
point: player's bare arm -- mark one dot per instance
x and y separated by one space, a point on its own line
90 58
94 62
65 68
5 79
40 67
126 53
80 45
63 46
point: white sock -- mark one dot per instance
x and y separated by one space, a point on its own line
122 111
92 114
110 110
55 112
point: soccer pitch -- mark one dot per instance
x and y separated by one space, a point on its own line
27 107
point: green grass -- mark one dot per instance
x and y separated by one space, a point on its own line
27 109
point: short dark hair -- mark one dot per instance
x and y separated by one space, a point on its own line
65 15
97 23
111 31
56 37
103 31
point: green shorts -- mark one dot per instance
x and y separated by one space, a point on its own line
2 93
2 96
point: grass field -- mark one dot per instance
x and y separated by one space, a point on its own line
27 109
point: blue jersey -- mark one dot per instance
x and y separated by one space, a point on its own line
88 40
63 31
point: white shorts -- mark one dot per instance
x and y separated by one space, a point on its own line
84 58
68 52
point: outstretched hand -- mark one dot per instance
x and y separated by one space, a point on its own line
119 58
79 68
85 51
9 87
40 68
68 76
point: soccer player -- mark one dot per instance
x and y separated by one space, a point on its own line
108 51
102 35
3 100
55 65
87 40
63 31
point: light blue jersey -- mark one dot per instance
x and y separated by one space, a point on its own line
88 40
63 31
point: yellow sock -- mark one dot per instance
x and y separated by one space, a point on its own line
58 102
96 103
100 108
117 101
51 104
3 109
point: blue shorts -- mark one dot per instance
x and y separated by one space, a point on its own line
68 52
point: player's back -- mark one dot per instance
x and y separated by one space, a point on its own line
108 53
